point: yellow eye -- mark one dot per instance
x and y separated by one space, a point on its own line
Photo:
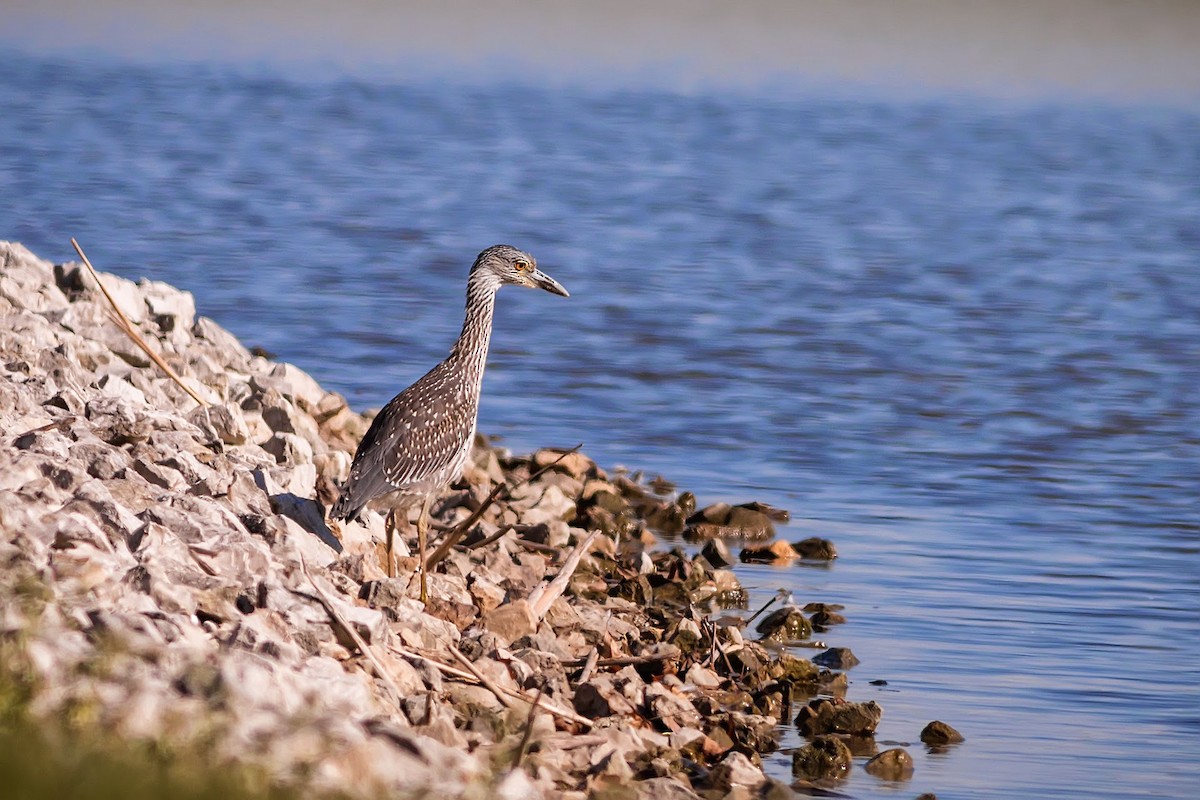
521 265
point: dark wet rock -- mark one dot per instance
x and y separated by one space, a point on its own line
715 514
832 683
824 615
796 671
825 757
829 716
716 552
784 625
767 553
667 518
891 765
836 658
939 733
601 697
751 523
772 512
746 732
815 548
724 520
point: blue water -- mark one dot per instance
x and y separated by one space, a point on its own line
958 337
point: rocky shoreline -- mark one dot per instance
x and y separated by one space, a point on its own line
170 576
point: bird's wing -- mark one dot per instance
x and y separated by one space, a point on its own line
412 443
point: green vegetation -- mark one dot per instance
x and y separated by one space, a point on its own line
71 757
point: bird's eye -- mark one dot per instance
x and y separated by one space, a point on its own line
521 265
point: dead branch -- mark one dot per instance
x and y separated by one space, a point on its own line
460 531
524 746
487 682
362 646
125 325
541 598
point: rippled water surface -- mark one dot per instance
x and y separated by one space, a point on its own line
961 339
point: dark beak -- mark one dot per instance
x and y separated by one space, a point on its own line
544 281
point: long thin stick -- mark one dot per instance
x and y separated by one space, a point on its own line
779 595
589 666
524 747
125 325
541 598
461 529
479 676
619 661
362 646
569 716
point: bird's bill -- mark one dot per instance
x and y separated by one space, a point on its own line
543 281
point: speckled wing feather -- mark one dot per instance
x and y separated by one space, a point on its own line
416 444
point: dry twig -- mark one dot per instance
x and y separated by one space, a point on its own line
363 647
461 529
125 325
487 682
524 746
558 711
541 598
589 666
619 661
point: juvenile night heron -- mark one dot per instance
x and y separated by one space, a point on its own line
420 441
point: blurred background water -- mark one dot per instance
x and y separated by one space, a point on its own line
949 317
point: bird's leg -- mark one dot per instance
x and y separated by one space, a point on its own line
422 536
389 527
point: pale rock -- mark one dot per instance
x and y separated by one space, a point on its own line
299 385
575 464
93 499
663 789
299 543
224 342
702 677
226 422
159 475
288 448
517 785
736 770
487 595
511 621
671 710
83 567
116 386
172 310
258 428
333 465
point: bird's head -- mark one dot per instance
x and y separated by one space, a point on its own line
506 264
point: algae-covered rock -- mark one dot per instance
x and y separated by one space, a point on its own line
825 757
829 716
891 765
939 733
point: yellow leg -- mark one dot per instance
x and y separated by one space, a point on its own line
389 527
422 536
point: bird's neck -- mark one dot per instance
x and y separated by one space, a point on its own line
472 345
